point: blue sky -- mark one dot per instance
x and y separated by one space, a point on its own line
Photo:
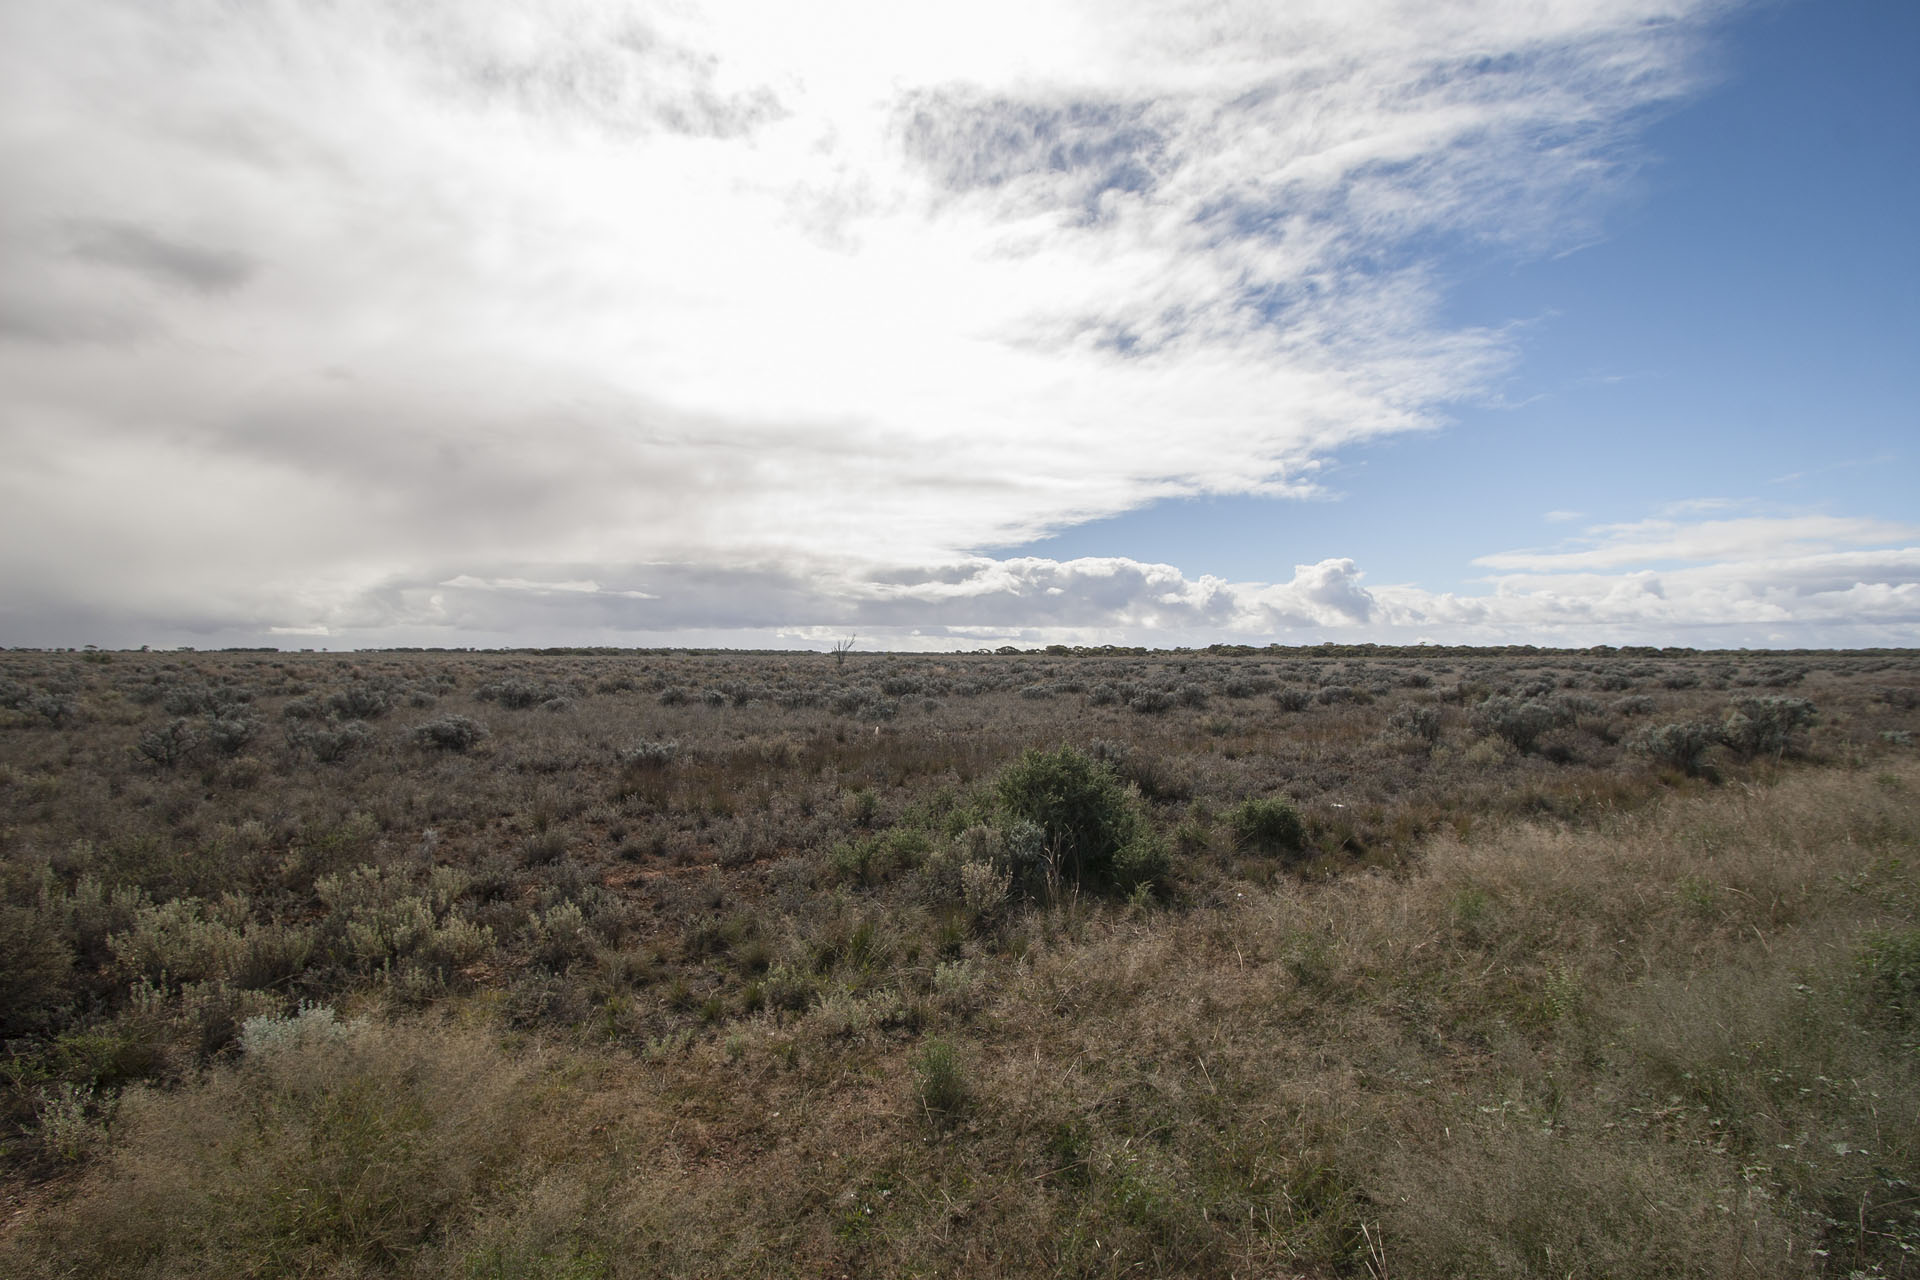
614 322
1743 325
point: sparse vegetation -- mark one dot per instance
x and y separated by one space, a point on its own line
1295 962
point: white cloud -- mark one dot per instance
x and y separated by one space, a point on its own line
1612 546
1762 596
492 319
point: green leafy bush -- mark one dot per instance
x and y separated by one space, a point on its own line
1270 826
1142 862
1083 811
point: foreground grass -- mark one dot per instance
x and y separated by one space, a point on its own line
1679 1041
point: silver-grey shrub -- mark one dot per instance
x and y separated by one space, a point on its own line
330 743
168 744
450 733
1520 721
650 755
1683 746
1765 726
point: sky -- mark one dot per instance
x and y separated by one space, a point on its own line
1555 322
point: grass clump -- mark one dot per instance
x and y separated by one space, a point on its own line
941 1081
1270 826
327 1150
1889 965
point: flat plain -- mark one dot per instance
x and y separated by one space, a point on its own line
1241 962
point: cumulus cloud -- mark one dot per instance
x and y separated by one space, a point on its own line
476 320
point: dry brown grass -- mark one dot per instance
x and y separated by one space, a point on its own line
1547 1014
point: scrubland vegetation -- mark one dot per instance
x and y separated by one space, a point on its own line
1287 962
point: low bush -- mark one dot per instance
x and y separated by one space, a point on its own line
1765 726
168 744
1418 721
450 733
229 734
1520 722
1292 699
329 742
1683 746
650 755
1085 815
360 702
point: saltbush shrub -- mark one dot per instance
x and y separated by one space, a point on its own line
519 695
1292 699
450 733
55 708
1419 721
1520 722
360 702
168 744
212 700
331 743
650 755
1683 746
229 734
1764 726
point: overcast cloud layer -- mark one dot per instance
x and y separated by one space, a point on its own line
462 323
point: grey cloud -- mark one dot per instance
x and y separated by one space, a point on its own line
629 78
180 263
945 575
556 379
1080 150
53 321
637 598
